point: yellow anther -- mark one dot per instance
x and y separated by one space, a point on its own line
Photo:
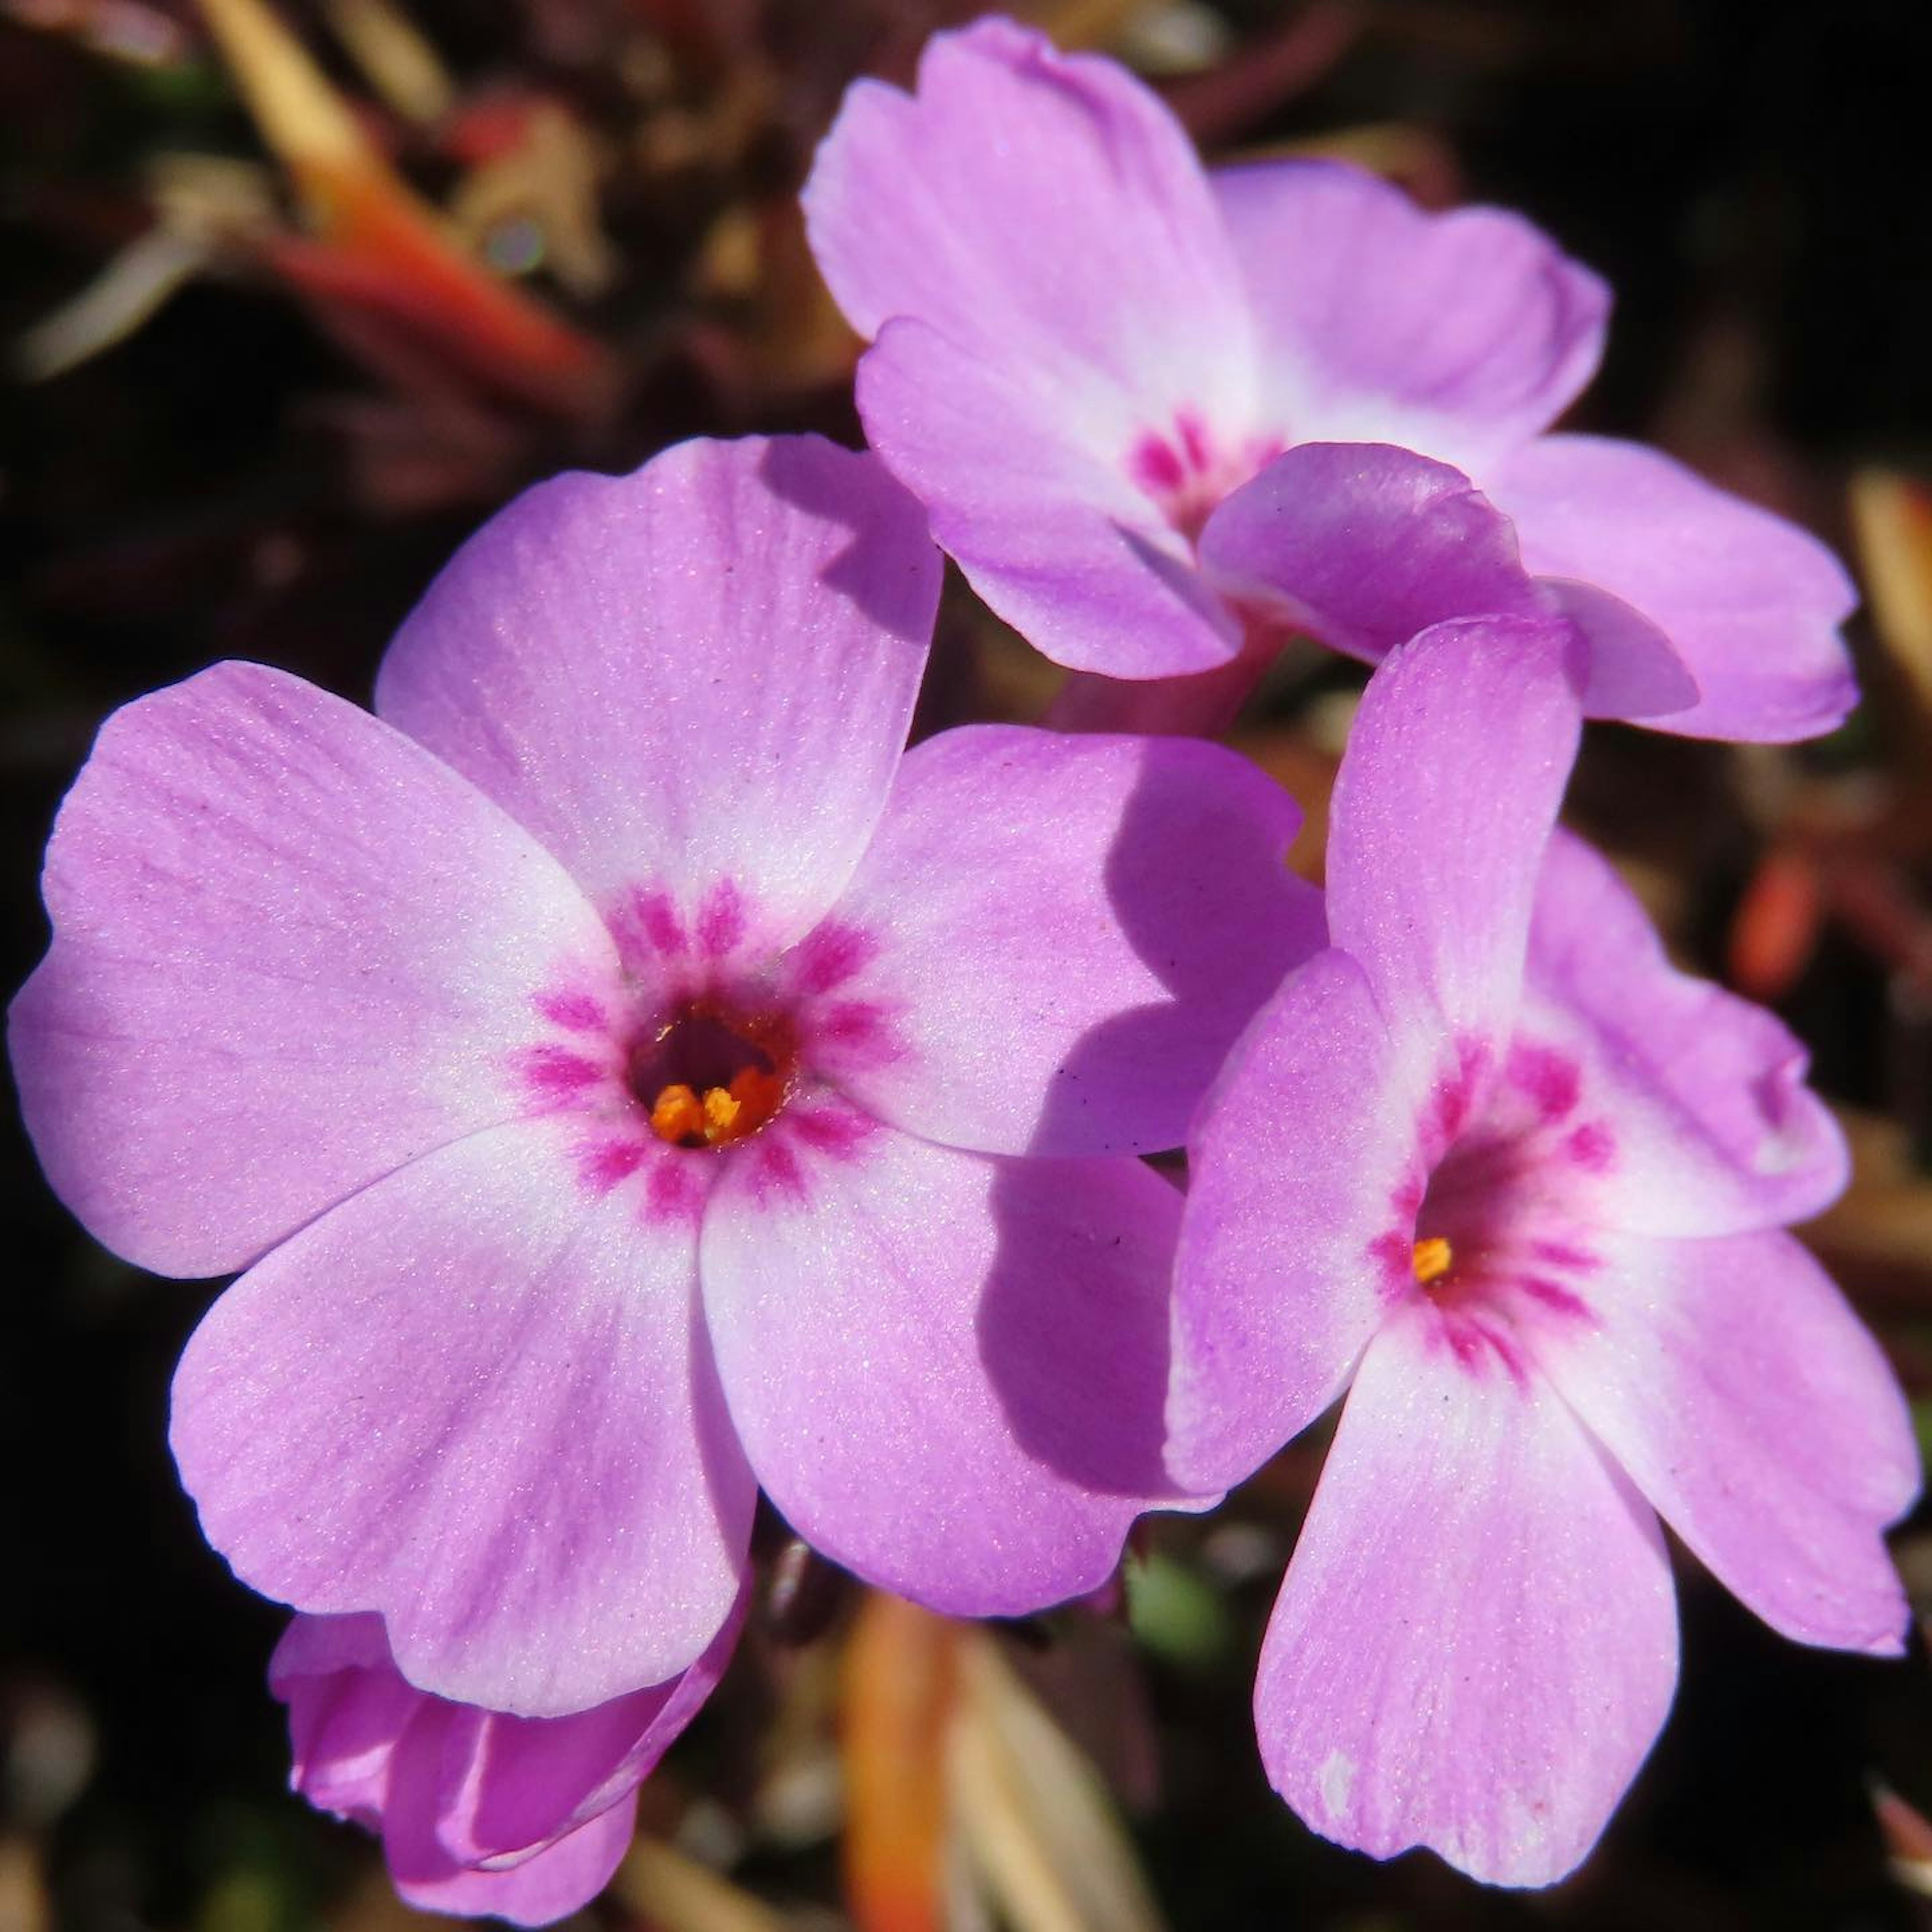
1433 1259
685 1118
677 1115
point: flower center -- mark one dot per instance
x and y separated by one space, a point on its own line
710 1077
1434 1258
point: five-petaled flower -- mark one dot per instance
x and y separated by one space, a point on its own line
1494 1166
632 1080
1147 406
520 1818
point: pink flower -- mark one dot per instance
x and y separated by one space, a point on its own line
521 1818
627 1080
1145 405
1492 1165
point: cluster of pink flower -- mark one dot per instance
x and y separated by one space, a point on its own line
631 1079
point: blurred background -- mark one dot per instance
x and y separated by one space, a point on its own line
291 301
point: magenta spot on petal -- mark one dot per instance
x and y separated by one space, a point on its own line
860 1031
602 1164
1450 1104
556 1072
1591 1146
776 1171
1563 1255
830 955
1552 1081
675 1192
1407 1199
1475 1342
1394 1255
1194 445
833 1130
655 921
1555 1297
575 1012
721 920
1155 467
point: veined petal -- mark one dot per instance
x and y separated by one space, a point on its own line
1750 1405
1751 603
1447 792
947 1369
1362 546
1069 933
700 673
1044 211
1296 1164
1476 1643
1714 1129
291 952
477 1398
1459 334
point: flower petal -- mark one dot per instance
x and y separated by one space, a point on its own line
1750 1405
1458 334
1715 1131
476 1398
1751 603
1063 339
536 1890
1045 211
347 1710
1293 1162
1447 792
527 1782
652 671
1069 933
1476 1643
1042 514
947 1370
1363 545
291 952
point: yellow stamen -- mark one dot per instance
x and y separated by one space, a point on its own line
1433 1258
720 1110
687 1119
677 1116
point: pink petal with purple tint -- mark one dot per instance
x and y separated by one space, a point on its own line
1446 795
477 1399
1048 213
700 672
1715 1131
1362 546
1750 1405
1070 933
548 1885
947 1369
1751 603
1476 1642
1300 1160
466 1798
292 952
1459 335
1063 527
1064 372
529 1781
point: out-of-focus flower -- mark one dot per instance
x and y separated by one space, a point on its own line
521 1818
1492 1165
1155 413
632 1080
